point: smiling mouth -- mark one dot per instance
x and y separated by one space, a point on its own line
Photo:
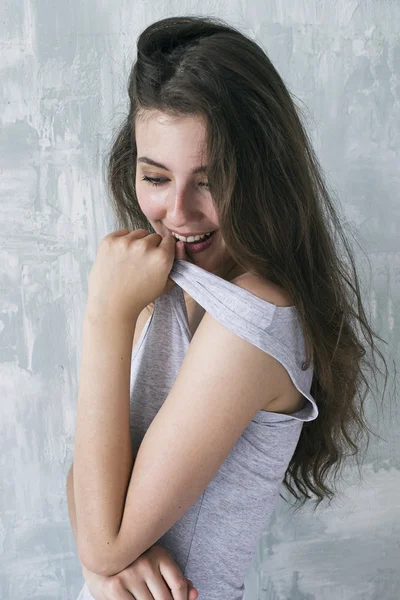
212 231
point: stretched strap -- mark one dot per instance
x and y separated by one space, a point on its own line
274 329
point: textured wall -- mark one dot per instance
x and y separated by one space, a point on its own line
63 77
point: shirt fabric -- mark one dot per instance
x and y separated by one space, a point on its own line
214 542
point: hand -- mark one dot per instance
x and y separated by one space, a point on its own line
181 253
130 271
152 576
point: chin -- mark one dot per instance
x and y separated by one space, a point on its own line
210 263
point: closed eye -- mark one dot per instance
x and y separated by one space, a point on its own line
158 181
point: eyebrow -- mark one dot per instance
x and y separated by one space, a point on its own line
150 161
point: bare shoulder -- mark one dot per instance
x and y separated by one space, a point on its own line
288 399
266 290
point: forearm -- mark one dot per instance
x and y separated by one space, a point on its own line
72 515
103 455
71 504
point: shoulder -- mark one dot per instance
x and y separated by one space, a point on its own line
266 290
233 360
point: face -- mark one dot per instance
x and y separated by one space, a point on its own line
179 199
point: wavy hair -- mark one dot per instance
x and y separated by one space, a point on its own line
275 213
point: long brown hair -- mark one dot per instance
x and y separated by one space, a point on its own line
275 214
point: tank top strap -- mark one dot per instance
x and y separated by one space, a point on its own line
274 329
222 299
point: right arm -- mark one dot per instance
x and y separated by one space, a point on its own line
72 514
155 565
71 503
140 323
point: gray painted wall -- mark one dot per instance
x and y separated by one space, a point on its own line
63 76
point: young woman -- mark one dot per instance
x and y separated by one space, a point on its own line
247 359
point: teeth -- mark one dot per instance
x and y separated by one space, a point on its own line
191 238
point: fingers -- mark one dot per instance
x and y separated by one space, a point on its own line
175 580
145 590
160 589
136 233
181 252
116 589
119 232
124 231
152 238
193 594
168 240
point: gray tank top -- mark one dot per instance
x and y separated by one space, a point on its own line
214 542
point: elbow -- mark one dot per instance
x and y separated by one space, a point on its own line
105 569
107 566
98 562
92 556
93 563
88 560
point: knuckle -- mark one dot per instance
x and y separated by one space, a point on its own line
113 585
106 241
180 583
140 243
144 562
163 256
109 241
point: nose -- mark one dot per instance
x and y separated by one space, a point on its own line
182 209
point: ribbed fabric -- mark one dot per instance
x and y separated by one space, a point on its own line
215 540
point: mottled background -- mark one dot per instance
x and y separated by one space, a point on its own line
64 66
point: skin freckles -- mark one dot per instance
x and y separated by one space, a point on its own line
183 201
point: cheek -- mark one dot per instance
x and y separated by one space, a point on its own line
212 212
151 201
